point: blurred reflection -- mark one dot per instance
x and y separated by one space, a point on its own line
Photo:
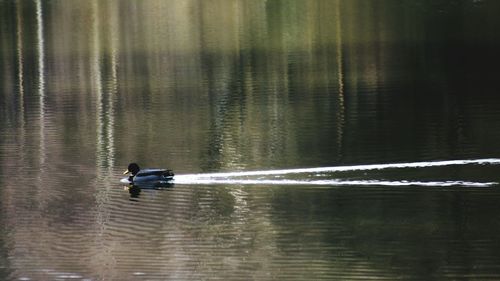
134 191
340 77
103 86
20 62
40 43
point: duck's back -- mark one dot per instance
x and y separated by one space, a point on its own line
148 172
151 175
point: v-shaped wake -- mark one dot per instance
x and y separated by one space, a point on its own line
272 177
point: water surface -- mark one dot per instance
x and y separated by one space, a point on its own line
313 140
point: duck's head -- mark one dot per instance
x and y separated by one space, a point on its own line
132 169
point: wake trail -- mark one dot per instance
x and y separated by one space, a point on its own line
235 177
335 182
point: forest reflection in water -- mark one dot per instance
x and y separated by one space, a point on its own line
218 86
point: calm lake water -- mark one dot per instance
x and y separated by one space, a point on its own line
248 102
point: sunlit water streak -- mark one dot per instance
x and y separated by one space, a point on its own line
41 79
235 177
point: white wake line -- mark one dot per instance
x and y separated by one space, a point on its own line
192 180
487 161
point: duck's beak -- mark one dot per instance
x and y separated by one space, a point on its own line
126 172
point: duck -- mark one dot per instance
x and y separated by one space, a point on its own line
148 177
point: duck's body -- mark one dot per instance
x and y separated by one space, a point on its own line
148 177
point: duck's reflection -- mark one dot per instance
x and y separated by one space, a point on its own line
135 190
